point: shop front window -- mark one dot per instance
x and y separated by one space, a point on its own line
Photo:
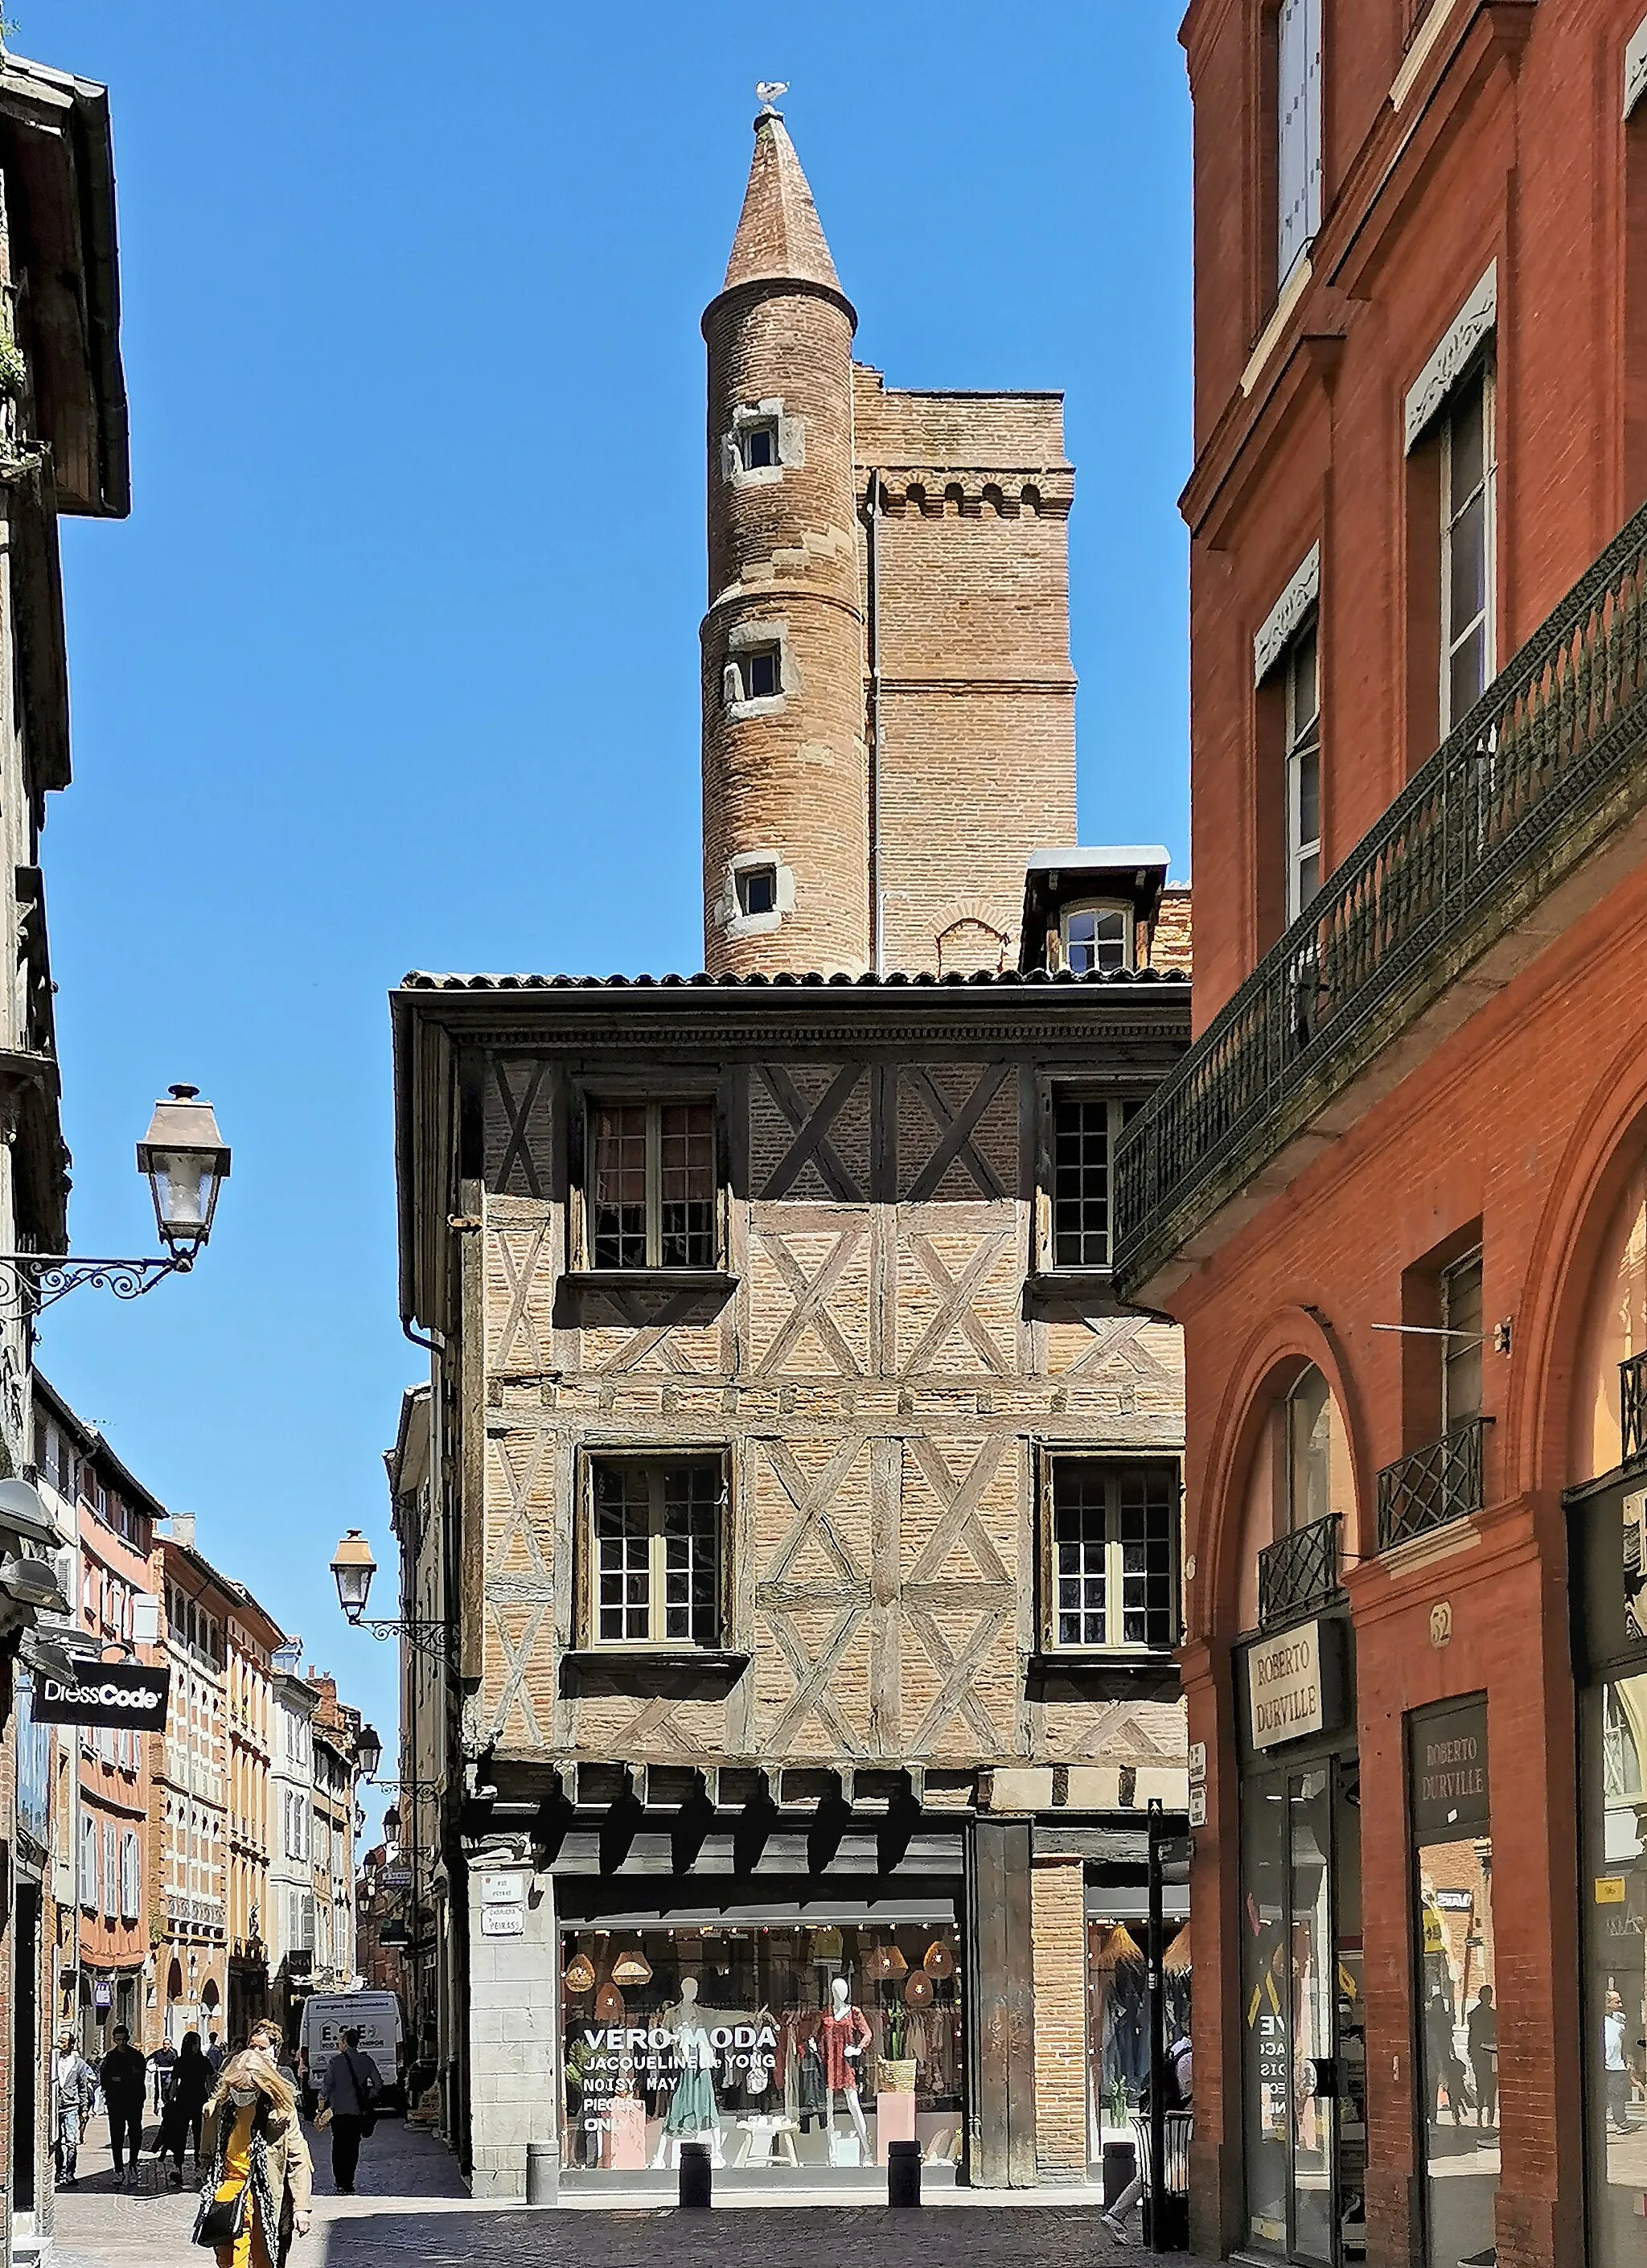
1458 2000
1615 1987
799 2051
1118 2020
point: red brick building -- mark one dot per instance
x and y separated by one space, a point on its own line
1395 1193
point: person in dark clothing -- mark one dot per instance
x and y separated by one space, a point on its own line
162 2064
123 2076
1482 2039
1446 2070
191 2083
352 2084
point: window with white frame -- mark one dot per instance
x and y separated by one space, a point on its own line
1462 1343
1302 697
1086 1129
88 1862
1097 937
111 1869
1468 574
130 1876
1114 1559
1298 132
654 1550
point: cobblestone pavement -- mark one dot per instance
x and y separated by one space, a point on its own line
413 2211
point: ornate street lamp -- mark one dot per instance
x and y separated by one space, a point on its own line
186 1162
353 1567
369 1751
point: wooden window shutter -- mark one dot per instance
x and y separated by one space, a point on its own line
1299 131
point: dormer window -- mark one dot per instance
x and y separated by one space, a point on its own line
758 446
1097 936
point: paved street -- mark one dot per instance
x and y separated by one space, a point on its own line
412 2208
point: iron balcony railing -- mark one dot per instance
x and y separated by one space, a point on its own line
1552 759
1433 1486
1298 1571
1633 1405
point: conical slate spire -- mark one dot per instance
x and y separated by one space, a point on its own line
779 234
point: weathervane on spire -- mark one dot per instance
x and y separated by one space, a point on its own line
768 90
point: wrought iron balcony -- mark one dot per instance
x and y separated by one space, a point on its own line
1433 1486
1298 1571
1633 1406
1550 763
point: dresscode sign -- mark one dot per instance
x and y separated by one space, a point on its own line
128 1696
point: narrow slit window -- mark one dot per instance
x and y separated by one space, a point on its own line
1468 660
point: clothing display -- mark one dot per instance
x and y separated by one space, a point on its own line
836 2035
691 2104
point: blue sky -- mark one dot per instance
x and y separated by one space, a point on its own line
395 663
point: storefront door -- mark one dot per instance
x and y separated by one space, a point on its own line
1305 2099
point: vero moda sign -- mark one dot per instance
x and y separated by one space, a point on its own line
125 1694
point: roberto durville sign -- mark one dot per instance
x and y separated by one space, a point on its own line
1295 1683
125 1694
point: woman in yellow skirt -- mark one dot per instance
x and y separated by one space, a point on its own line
252 2142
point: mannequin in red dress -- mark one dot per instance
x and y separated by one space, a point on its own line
843 2036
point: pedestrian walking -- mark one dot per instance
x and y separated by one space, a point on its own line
185 2106
74 2098
351 2086
260 2178
123 2076
1446 2070
215 2051
1615 2068
162 2064
1177 2094
1482 2040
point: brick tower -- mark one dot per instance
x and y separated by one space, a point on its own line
785 780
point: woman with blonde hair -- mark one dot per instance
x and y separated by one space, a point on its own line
259 2189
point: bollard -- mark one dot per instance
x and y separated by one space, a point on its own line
695 2174
543 2173
903 2173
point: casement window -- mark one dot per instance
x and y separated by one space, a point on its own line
1298 132
130 1876
1097 936
111 1869
1462 1343
1112 1556
652 1184
1086 1129
654 1550
758 673
758 444
1302 689
87 1887
1308 1417
1468 572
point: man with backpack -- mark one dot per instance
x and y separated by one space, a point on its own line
1178 2094
350 2088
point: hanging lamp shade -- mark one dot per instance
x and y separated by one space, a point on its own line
939 1960
632 1968
1119 1950
1175 1959
918 1992
580 1974
609 2007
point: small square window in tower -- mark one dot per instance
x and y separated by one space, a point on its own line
758 890
761 673
758 446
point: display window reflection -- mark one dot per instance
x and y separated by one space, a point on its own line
784 2048
1616 1987
1118 2020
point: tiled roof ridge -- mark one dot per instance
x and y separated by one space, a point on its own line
424 980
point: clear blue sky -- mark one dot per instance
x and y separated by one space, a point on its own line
395 663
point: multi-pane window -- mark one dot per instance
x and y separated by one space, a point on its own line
1113 1563
1303 690
1461 1345
656 1552
1084 1131
652 1187
1466 549
1097 937
1298 132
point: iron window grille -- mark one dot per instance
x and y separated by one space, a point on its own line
1300 1571
652 1185
655 1552
1114 1572
1633 1405
1433 1486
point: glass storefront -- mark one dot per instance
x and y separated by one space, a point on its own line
1457 2012
801 2050
1118 2019
1303 2023
1615 1987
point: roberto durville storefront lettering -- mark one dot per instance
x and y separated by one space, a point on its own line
1294 1683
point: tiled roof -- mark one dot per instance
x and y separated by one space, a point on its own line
1006 979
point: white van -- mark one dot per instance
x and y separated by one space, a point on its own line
377 2017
